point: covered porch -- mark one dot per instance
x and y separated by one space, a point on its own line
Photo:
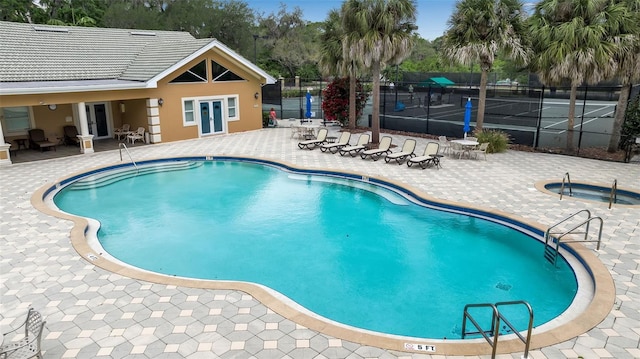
94 124
30 155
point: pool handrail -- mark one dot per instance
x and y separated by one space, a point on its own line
613 196
527 340
495 324
122 145
548 235
568 181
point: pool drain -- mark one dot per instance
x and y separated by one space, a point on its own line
505 287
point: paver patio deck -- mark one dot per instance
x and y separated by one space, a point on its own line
92 313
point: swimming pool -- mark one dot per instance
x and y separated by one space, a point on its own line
281 191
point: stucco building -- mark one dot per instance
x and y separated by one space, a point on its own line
171 84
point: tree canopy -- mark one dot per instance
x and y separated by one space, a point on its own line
481 29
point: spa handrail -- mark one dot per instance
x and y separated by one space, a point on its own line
613 196
122 145
568 181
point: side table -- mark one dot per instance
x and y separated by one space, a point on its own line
21 143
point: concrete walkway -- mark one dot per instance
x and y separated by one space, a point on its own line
92 313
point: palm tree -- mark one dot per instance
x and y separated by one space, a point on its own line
628 62
479 30
572 40
333 61
378 32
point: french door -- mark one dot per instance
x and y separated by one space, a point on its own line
211 117
97 120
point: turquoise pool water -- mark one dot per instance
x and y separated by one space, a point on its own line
350 251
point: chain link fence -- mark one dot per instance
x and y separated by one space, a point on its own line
531 114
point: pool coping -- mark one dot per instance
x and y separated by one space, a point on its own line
596 311
540 186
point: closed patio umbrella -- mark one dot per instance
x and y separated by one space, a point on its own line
467 117
308 113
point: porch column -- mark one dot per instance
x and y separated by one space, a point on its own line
86 140
5 154
153 120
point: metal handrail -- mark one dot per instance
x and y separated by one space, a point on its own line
122 145
526 340
613 196
558 235
495 325
571 216
568 181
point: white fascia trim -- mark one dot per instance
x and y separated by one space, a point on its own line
153 82
64 89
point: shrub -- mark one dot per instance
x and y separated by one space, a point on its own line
631 126
336 100
498 140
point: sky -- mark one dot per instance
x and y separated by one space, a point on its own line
431 17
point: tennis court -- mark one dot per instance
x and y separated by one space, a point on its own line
529 121
520 117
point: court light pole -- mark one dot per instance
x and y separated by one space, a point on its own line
255 47
396 88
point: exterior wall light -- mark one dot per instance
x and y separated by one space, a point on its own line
256 95
160 102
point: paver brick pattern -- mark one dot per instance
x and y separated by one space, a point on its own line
92 313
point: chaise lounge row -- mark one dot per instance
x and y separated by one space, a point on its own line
406 153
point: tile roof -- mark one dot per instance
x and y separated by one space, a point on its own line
61 53
47 59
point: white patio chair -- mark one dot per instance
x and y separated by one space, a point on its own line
445 145
456 150
296 131
482 149
123 131
137 135
29 345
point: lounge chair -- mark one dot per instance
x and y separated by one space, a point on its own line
71 136
311 144
406 152
376 153
138 135
29 345
354 150
430 156
38 141
123 131
336 146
